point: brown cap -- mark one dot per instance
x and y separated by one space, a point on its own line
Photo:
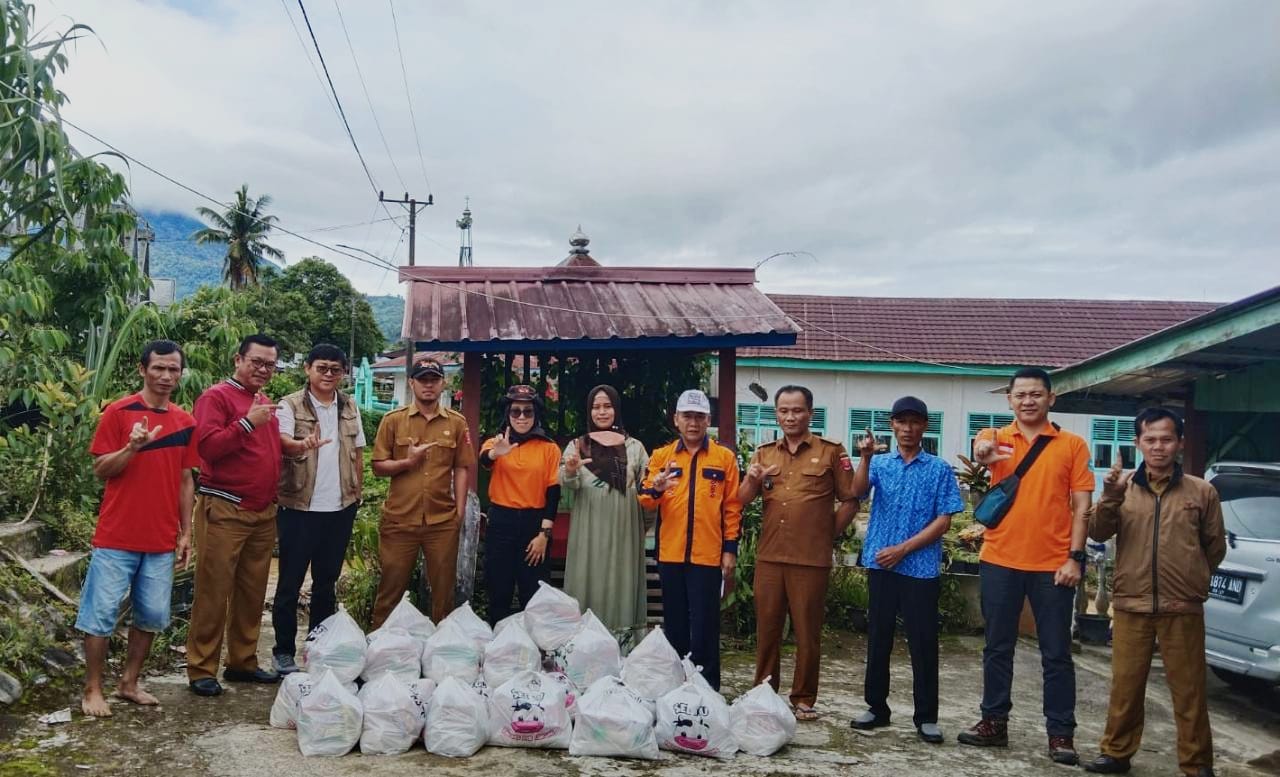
522 393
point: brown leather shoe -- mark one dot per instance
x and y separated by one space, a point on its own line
1062 750
986 733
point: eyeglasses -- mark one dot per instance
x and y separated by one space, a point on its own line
330 370
259 364
520 412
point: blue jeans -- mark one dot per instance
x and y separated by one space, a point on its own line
1003 590
146 577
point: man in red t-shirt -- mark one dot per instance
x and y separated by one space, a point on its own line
144 449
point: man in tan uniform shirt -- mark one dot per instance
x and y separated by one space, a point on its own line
426 451
801 477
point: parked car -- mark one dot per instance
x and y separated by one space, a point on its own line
1242 616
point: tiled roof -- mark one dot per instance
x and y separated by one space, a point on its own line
584 306
1022 332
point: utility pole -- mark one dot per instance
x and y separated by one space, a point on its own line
413 206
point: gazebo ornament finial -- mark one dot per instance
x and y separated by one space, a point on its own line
578 240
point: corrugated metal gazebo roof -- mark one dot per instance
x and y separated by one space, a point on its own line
578 306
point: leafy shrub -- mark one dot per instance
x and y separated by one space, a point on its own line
371 419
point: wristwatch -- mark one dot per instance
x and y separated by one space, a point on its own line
1079 555
546 532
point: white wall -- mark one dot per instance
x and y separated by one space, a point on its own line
955 396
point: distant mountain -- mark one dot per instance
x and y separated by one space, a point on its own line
175 255
388 311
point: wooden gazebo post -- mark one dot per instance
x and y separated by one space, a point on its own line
471 406
728 387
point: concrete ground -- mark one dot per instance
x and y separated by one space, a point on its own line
229 735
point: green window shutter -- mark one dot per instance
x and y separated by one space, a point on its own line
818 423
860 419
1104 429
748 415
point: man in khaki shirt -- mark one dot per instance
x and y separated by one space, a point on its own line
426 451
801 477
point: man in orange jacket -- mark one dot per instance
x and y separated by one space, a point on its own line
693 484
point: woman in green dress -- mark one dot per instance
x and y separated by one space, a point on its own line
604 566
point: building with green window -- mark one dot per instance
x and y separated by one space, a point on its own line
859 354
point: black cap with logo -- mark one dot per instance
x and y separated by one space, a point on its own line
427 368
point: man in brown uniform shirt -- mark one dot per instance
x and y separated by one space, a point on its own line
425 450
801 477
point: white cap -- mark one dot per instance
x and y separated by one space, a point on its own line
693 401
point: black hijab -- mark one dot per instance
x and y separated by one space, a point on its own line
608 462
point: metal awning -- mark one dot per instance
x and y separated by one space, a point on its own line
1164 366
588 308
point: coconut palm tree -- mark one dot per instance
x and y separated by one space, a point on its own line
243 229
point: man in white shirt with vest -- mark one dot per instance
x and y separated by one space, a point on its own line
322 477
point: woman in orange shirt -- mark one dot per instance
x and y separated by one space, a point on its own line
524 493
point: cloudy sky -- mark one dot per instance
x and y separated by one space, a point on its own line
983 148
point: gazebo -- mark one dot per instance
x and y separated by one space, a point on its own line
582 308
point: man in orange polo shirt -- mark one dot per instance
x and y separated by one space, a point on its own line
1035 553
693 484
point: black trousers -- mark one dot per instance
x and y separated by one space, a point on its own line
917 600
507 534
318 541
691 613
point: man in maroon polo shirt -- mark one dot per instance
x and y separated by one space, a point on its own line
239 444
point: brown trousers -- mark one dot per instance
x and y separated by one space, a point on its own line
1133 642
398 546
801 591
232 567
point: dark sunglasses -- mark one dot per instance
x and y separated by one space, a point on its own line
330 370
520 412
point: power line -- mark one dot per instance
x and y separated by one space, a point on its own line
360 75
384 264
307 53
341 113
404 73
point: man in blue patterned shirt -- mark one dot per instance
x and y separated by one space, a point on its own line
915 496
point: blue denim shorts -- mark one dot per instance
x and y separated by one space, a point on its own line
146 577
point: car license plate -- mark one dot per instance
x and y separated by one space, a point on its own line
1228 588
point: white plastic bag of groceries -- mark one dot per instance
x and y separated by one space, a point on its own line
694 720
422 690
451 652
457 721
284 710
330 718
529 711
693 674
653 668
510 652
571 691
471 624
552 616
408 619
293 689
392 650
514 619
590 654
336 644
613 721
762 721
392 722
